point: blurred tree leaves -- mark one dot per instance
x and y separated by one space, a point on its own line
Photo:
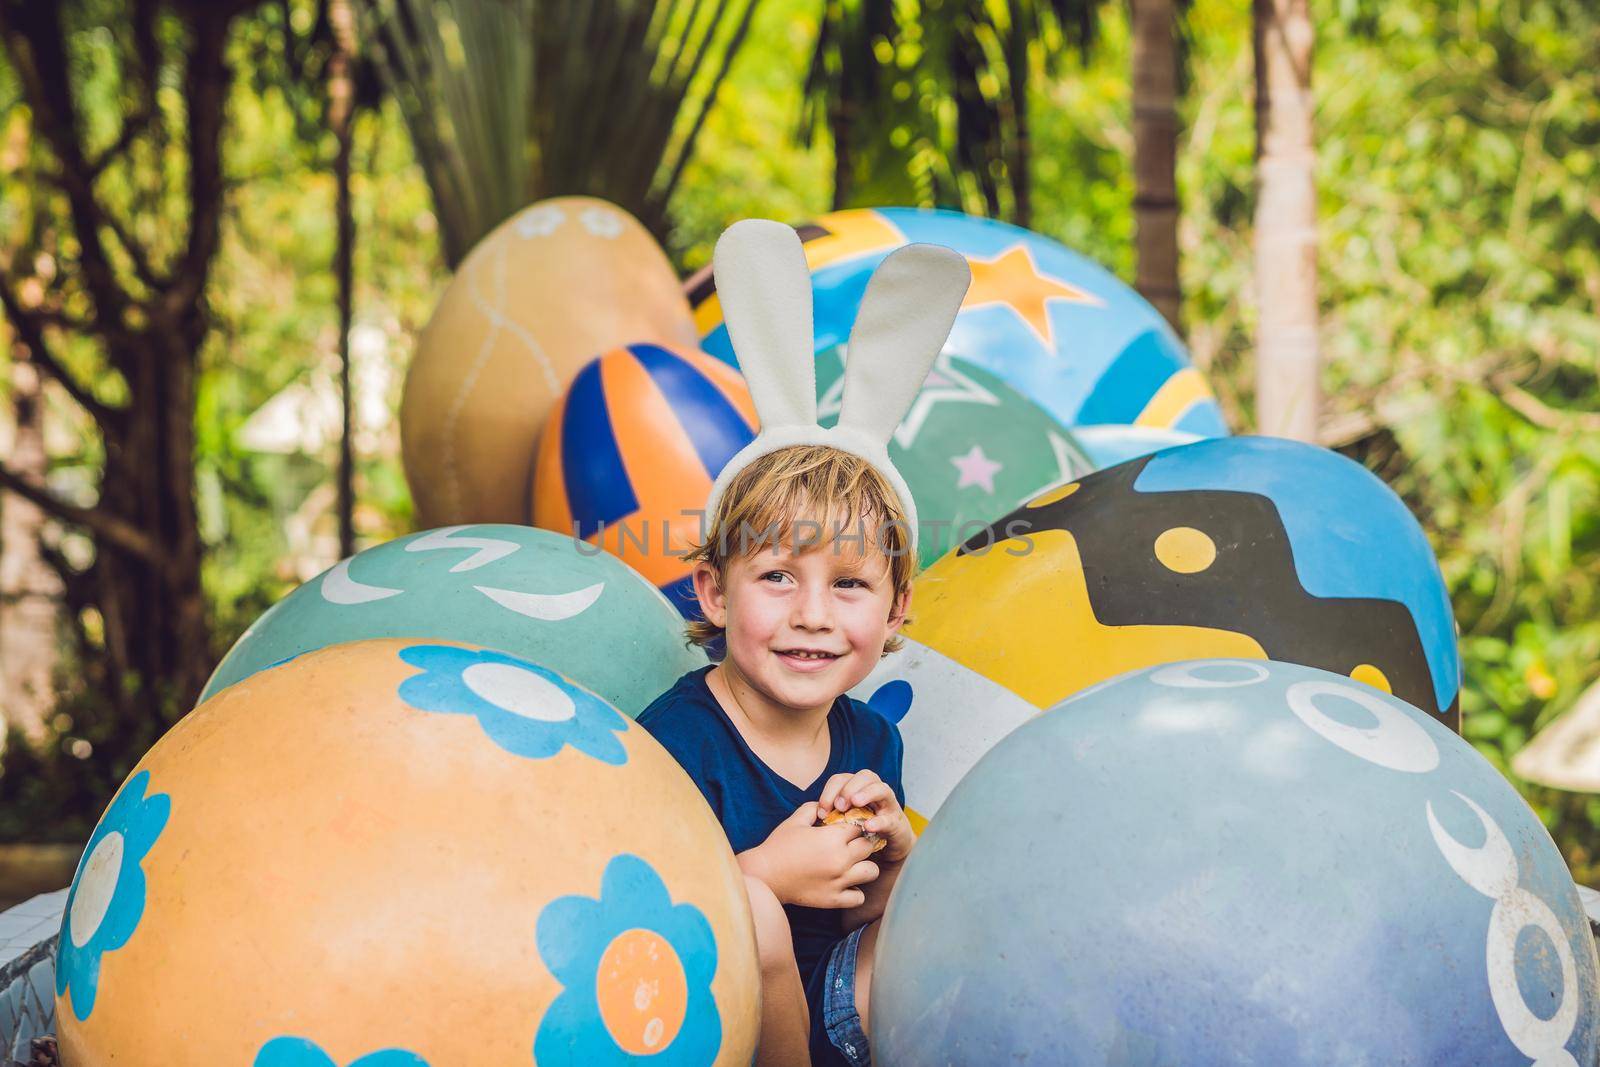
1460 284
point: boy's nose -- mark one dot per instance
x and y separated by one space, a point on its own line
811 610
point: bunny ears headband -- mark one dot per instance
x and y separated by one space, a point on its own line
910 304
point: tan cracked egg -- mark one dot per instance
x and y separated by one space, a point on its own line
533 301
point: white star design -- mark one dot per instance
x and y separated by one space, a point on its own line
1071 463
943 383
976 469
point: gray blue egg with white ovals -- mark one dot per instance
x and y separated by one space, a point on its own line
1240 862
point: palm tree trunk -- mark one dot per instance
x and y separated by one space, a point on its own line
1019 161
1288 389
341 115
839 125
1155 152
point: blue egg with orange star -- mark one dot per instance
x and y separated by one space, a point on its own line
1239 862
1051 323
314 865
629 454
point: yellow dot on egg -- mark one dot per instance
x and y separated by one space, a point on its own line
1185 550
1367 674
1060 492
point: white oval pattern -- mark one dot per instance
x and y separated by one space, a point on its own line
520 692
1183 676
96 886
602 223
1491 869
1399 743
541 220
1395 742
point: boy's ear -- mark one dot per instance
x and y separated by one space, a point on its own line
899 609
708 590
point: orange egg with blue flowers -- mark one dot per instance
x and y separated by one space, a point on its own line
394 851
628 456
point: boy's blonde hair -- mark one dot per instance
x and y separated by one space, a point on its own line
836 489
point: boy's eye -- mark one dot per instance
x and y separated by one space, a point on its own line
772 574
855 581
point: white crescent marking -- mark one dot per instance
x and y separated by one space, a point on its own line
547 607
488 549
339 588
1491 868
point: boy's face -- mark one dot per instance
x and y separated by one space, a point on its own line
775 604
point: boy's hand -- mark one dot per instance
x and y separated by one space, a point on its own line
816 866
864 789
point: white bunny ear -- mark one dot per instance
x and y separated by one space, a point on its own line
764 286
905 317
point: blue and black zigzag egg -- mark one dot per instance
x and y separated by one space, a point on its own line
1242 547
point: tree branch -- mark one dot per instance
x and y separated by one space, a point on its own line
35 41
27 326
205 91
132 127
113 531
136 253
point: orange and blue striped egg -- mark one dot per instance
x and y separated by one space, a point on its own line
628 456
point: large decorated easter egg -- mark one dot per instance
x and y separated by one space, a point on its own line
628 456
535 299
407 852
948 715
1235 862
1051 323
1106 446
970 447
1249 546
532 593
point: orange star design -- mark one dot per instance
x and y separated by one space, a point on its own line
1012 279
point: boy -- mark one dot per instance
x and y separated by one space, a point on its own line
806 574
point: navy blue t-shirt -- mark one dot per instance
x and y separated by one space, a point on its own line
750 799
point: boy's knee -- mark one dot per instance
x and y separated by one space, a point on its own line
772 925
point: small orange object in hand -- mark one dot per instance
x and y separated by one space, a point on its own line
856 817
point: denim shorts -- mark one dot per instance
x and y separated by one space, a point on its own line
839 1015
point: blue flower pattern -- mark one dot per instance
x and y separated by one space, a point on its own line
574 936
303 1052
524 708
107 897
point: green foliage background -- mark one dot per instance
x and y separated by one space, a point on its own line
1460 259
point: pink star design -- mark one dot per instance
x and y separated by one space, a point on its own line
976 469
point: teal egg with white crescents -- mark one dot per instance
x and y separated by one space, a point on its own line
532 593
